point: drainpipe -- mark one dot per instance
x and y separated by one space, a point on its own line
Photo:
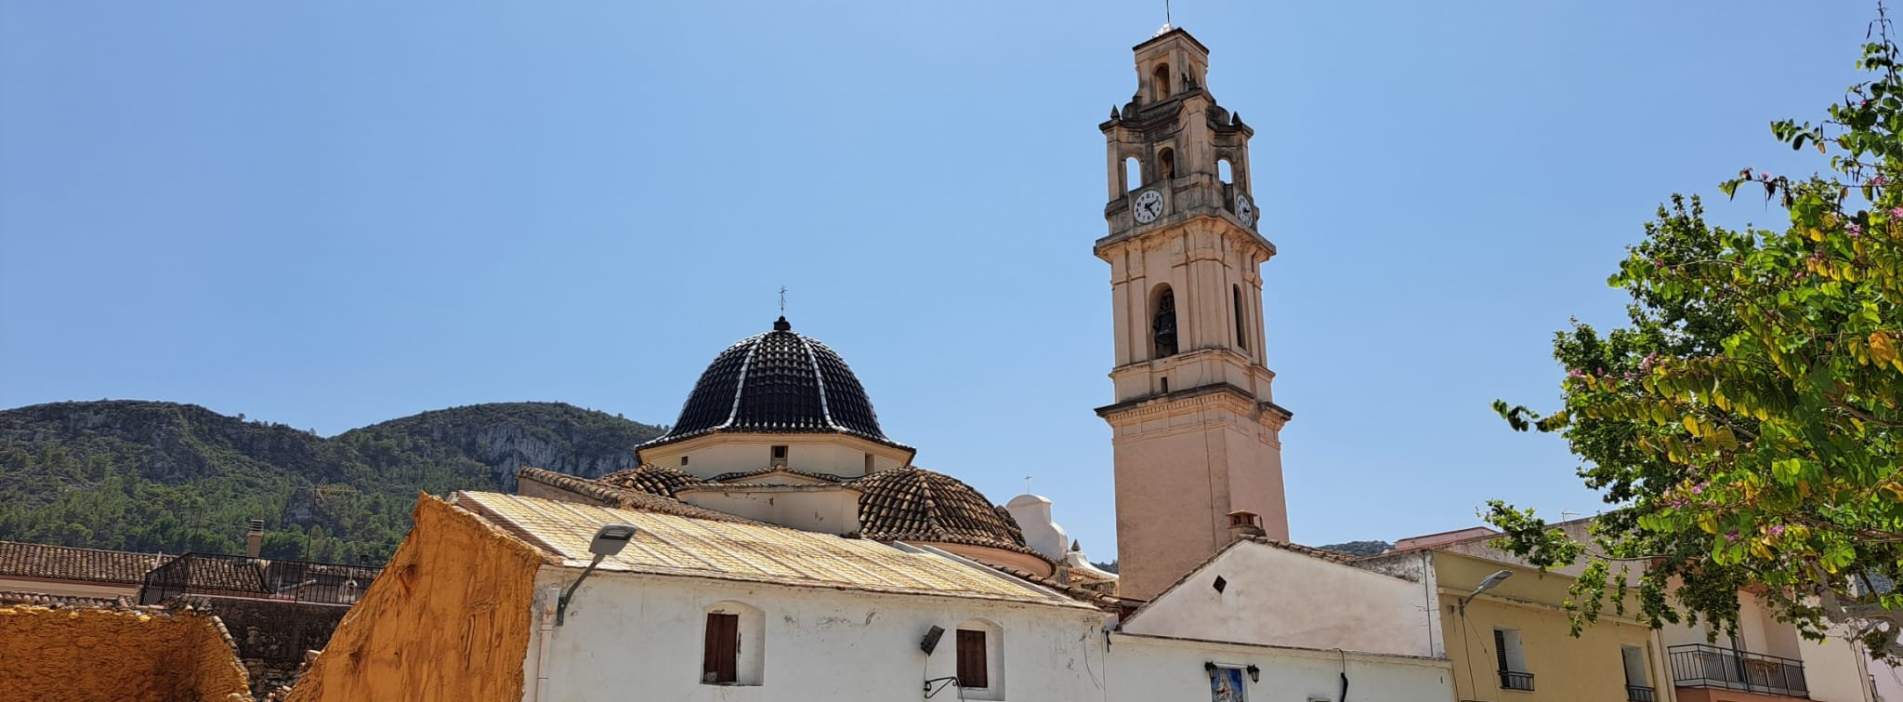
545 622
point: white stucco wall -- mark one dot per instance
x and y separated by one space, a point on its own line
1888 680
816 452
1149 669
640 637
829 509
1835 670
1279 597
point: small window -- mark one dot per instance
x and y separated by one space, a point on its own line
973 660
779 455
868 464
1242 324
1510 653
720 660
1634 659
683 460
1132 174
1160 81
734 645
1166 163
1163 384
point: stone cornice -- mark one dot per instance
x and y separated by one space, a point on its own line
1206 394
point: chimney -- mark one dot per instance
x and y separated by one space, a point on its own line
254 539
1245 525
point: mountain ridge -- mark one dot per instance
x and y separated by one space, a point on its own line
148 475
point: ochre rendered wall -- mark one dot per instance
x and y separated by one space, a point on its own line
448 619
113 655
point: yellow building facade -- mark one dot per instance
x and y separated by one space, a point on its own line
1515 642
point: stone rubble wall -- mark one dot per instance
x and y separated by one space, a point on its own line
114 655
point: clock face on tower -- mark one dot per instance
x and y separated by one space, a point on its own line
1245 210
1149 206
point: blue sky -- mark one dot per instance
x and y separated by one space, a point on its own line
330 214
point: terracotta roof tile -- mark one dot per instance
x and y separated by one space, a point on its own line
914 504
40 599
627 497
1081 594
49 562
210 573
744 474
651 479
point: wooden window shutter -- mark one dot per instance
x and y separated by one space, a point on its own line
1500 649
720 657
972 670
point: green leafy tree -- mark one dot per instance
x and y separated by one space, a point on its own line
1746 422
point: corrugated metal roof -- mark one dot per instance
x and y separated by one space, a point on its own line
667 544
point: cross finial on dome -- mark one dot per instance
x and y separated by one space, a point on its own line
782 325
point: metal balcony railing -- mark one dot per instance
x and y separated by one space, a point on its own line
1701 665
1639 693
252 578
1516 680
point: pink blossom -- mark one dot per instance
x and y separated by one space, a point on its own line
1777 530
1698 489
1896 212
1575 373
1879 181
1855 230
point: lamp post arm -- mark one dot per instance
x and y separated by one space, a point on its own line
561 604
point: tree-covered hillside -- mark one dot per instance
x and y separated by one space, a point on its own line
160 476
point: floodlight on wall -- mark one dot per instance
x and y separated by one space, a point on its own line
1486 584
930 642
608 541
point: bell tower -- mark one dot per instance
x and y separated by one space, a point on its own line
1196 434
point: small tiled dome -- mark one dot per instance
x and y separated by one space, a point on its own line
779 381
914 504
654 480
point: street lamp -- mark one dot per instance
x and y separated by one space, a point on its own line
1489 583
607 542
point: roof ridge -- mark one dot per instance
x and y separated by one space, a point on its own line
819 380
740 386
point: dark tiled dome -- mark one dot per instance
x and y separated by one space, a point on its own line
775 382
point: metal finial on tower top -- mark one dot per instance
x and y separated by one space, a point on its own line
1169 22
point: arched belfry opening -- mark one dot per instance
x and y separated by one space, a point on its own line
1163 322
1166 163
1225 172
1160 82
1132 173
